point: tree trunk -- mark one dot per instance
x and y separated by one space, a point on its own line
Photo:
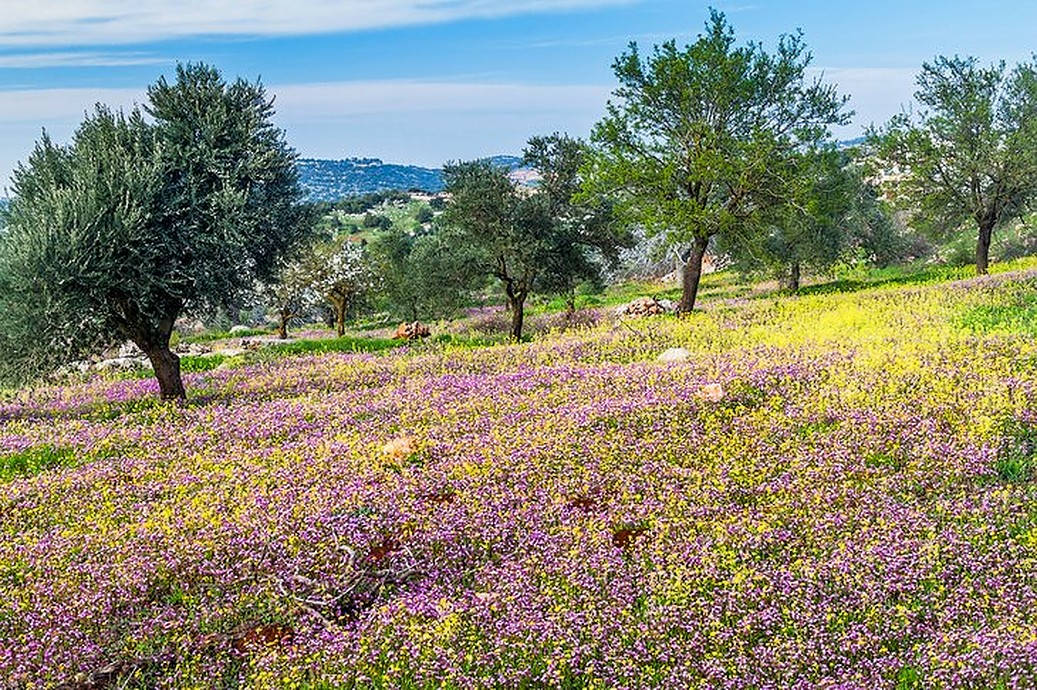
986 231
570 302
166 364
516 318
691 274
792 282
282 327
340 319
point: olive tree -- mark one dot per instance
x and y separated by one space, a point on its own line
696 143
420 274
589 236
530 240
139 220
812 229
969 155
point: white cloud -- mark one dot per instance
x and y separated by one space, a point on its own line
95 22
406 121
77 59
414 121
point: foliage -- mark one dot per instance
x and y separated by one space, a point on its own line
292 292
531 241
424 215
134 223
589 238
830 212
33 460
340 344
698 142
375 220
970 154
422 275
366 202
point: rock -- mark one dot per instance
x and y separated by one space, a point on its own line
185 325
399 448
713 392
239 329
129 349
411 331
121 363
192 349
674 354
646 306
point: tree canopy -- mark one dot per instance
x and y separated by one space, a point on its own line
697 141
813 229
589 238
969 155
421 275
136 222
532 240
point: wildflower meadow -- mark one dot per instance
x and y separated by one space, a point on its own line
835 490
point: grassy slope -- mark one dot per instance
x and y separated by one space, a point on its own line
855 507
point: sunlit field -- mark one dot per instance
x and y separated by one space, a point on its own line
833 490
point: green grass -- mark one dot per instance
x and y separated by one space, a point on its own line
33 460
728 284
343 344
210 336
1018 317
1017 457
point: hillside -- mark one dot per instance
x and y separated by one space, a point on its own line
830 490
331 180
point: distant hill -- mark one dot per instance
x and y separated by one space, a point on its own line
850 143
330 180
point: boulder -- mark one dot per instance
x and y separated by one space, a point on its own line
411 331
646 306
713 392
129 349
674 354
192 349
121 363
667 304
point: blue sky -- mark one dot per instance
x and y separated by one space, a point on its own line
423 81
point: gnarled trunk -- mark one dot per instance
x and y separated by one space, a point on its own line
166 364
339 307
516 320
986 232
516 303
691 274
340 319
792 280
